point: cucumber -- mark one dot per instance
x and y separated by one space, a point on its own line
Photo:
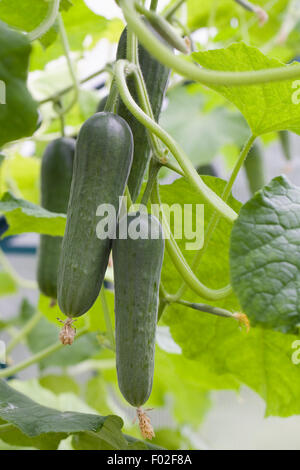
156 77
56 178
255 171
102 164
137 269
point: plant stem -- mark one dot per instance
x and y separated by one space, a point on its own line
36 358
11 271
153 172
174 167
178 259
109 328
194 72
237 167
212 225
220 312
21 335
72 71
191 174
46 23
153 5
92 365
172 9
110 105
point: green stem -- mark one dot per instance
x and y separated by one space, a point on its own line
35 358
194 72
220 312
109 328
132 48
153 5
18 279
153 172
174 167
178 259
173 8
164 28
72 71
191 174
237 167
47 23
212 225
22 334
110 105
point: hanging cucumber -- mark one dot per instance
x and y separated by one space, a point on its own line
137 270
254 166
56 178
156 77
102 163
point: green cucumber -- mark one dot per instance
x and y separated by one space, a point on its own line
255 171
56 178
156 77
137 269
102 164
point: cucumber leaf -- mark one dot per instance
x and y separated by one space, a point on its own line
23 217
262 360
265 268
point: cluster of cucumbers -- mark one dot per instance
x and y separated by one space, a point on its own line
111 151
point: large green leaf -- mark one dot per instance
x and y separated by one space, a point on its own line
265 269
267 107
23 216
18 117
16 13
202 134
261 360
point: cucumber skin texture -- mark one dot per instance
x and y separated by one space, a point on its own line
254 166
56 178
137 270
156 77
103 160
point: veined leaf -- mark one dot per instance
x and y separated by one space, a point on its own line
265 268
267 107
23 216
